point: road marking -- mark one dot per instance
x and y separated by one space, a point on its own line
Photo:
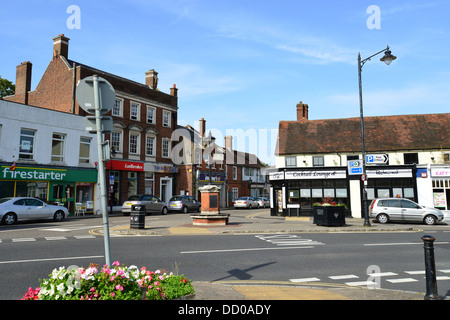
23 239
55 238
304 280
343 277
50 259
382 274
361 283
90 236
402 280
444 271
288 240
415 272
249 249
443 278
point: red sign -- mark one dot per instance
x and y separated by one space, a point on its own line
125 165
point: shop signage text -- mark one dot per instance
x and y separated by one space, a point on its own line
44 174
389 173
440 172
125 165
330 174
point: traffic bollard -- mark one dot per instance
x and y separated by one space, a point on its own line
430 268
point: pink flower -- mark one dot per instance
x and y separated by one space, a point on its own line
92 289
119 287
161 278
116 263
112 278
112 294
156 283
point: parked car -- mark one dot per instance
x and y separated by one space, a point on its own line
399 209
152 204
246 202
26 208
184 204
263 202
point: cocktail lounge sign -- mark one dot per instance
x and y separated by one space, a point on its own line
315 174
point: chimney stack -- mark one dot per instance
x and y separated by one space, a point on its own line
202 127
61 46
229 142
302 112
174 91
151 79
23 82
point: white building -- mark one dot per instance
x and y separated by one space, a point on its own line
408 157
48 154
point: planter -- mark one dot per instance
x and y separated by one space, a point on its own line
329 216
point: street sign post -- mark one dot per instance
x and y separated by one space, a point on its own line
355 167
96 96
377 158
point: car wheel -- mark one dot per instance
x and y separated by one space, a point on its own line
382 218
185 209
9 218
429 220
164 211
59 216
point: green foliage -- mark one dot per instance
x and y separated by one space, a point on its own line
7 88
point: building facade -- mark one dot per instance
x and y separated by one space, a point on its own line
407 156
48 155
144 119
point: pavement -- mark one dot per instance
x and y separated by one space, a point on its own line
260 222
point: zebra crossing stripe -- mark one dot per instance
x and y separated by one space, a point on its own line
401 280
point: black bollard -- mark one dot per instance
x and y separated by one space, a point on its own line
430 268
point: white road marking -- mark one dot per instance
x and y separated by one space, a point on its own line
23 239
248 249
305 280
347 276
50 259
402 280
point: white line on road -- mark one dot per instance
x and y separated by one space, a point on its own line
402 280
361 283
49 259
90 236
347 276
56 238
382 274
304 280
249 249
415 272
23 239
399 243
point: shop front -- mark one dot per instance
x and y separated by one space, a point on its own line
124 180
295 193
441 187
61 186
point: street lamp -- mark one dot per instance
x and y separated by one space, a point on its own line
387 58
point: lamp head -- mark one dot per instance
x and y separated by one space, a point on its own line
388 57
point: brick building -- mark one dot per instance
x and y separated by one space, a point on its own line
144 119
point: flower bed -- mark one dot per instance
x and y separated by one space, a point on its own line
118 282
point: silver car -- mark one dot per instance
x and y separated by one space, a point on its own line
184 204
399 209
152 204
245 202
263 202
25 208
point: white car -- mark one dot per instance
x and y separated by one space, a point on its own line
26 208
263 202
246 202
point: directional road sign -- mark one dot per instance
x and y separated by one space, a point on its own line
377 158
355 167
85 95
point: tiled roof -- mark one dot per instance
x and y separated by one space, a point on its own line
386 133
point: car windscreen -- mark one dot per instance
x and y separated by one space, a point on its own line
133 198
176 198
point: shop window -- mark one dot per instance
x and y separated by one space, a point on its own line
132 183
6 189
58 147
26 146
149 183
31 189
294 197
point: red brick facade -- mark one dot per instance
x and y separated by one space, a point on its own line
57 91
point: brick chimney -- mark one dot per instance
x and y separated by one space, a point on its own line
174 91
302 112
61 46
23 82
229 142
202 127
151 79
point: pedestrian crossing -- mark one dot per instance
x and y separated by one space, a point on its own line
57 238
368 280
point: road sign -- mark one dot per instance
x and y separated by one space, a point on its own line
377 158
85 95
355 167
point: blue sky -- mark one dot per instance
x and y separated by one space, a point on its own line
244 65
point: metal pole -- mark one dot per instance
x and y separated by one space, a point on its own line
365 212
430 268
101 171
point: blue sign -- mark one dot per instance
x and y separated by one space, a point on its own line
355 170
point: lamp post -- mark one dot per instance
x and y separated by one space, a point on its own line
387 58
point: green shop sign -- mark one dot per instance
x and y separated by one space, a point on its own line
48 174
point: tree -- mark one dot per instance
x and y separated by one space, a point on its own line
7 88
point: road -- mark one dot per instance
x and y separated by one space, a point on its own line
393 260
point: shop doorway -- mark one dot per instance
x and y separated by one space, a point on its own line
63 194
